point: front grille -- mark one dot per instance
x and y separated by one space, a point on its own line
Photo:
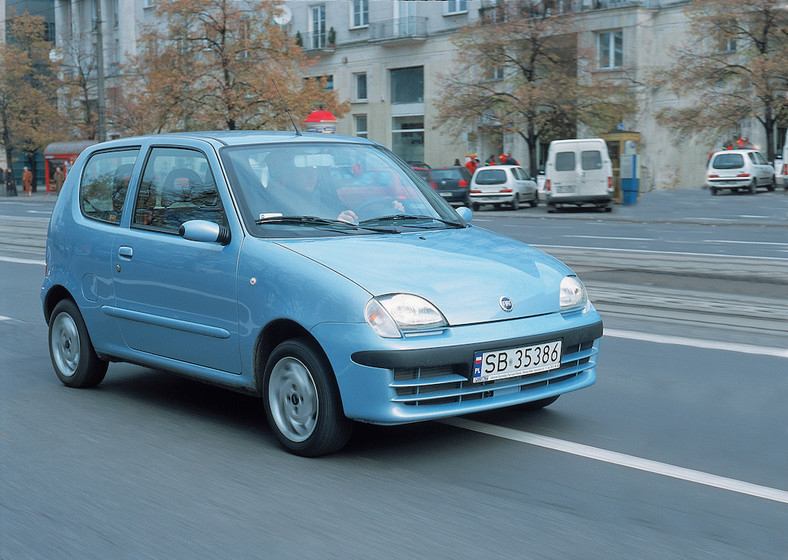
452 383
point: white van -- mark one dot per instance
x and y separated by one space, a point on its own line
578 172
781 166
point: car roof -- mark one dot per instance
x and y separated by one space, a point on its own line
742 151
495 167
237 138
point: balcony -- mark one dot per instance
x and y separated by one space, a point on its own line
407 29
317 42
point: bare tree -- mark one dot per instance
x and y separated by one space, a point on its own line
212 64
521 66
735 67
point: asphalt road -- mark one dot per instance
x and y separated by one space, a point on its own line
679 451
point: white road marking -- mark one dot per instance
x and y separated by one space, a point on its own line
612 237
699 343
744 242
651 252
621 459
4 318
22 261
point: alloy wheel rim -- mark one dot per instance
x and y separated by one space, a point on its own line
65 344
293 399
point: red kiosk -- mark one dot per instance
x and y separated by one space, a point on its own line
321 121
63 155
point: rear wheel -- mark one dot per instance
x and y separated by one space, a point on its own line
516 202
302 402
753 187
713 191
73 356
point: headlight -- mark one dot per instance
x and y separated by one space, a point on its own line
391 315
573 293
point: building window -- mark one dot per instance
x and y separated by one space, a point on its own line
361 125
611 49
407 138
318 26
360 86
728 45
360 13
456 7
407 85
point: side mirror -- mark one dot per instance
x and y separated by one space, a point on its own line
205 231
465 213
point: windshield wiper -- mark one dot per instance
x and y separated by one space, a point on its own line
338 225
411 218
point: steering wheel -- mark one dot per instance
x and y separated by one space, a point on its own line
378 206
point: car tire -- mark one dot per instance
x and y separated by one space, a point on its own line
475 206
753 187
538 405
73 356
516 202
772 185
713 191
301 400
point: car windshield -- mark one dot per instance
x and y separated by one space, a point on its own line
310 189
728 161
447 174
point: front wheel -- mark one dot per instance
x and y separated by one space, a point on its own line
73 356
301 401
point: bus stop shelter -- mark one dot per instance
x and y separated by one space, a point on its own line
63 155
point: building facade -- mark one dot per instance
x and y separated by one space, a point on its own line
386 58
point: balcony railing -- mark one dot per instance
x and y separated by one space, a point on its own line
413 27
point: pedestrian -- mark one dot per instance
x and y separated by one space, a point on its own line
746 144
471 165
10 183
58 178
27 181
510 160
490 160
457 162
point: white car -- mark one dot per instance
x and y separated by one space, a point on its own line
502 184
740 170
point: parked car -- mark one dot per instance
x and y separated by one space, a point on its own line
739 170
263 263
452 183
502 184
579 172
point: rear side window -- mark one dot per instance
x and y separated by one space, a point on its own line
104 184
591 160
565 161
490 177
728 161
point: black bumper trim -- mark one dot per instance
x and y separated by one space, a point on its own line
431 357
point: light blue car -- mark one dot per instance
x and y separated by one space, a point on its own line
316 271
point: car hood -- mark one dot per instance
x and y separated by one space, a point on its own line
463 272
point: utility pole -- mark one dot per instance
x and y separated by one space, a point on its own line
102 109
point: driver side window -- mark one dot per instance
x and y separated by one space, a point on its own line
177 186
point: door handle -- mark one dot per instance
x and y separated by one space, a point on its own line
125 252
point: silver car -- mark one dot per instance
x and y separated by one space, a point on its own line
740 170
502 184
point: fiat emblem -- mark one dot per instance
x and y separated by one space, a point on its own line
506 304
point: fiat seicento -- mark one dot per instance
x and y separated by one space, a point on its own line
317 272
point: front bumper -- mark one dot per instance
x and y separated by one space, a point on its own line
396 381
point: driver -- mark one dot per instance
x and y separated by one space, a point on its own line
297 187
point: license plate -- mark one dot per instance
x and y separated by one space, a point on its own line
566 189
525 360
445 194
